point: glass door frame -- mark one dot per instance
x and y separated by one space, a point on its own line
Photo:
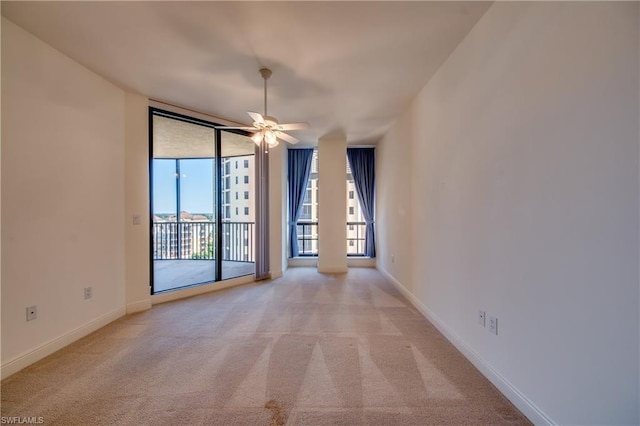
217 173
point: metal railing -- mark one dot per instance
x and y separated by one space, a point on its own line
307 238
355 238
196 240
237 241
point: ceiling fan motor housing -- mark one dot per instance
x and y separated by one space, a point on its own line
270 121
267 122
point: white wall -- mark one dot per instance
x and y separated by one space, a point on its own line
62 199
394 208
137 202
523 156
332 190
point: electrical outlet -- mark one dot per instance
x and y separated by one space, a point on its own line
88 292
137 220
481 318
493 325
32 313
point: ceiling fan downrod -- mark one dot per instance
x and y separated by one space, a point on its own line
265 73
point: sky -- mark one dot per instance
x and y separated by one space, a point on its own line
196 186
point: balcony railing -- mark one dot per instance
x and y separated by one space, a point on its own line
307 238
196 240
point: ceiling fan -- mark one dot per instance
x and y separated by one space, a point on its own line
266 127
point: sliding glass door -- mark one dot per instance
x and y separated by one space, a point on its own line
201 204
238 204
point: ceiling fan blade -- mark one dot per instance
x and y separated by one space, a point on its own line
294 126
288 138
257 118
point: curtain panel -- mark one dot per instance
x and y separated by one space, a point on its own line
299 168
363 165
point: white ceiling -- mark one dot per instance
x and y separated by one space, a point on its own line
345 67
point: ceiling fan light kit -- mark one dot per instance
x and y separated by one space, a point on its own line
267 128
267 135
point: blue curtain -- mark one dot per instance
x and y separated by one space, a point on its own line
299 166
363 167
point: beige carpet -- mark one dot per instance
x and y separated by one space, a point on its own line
305 349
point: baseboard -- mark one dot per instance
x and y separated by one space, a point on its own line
139 306
294 262
352 262
528 408
361 262
23 361
333 269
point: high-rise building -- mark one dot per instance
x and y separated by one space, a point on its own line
238 206
308 221
355 219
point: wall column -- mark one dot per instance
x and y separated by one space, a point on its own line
332 193
136 202
278 210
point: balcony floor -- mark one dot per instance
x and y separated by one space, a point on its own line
173 274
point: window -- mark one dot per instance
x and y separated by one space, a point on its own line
307 225
306 212
227 198
246 211
227 212
236 180
246 164
356 225
236 211
227 168
246 195
246 179
236 195
237 164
